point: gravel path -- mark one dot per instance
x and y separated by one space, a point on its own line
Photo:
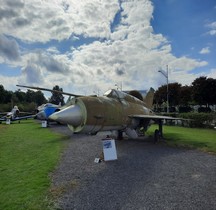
145 176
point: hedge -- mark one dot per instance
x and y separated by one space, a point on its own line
200 120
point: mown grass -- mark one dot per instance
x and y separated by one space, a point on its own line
28 153
202 139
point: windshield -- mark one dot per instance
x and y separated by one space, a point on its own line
114 94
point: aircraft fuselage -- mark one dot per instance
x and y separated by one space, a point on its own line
106 113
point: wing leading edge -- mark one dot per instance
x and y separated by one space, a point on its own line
24 117
154 117
16 118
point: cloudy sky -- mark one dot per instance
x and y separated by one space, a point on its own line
86 46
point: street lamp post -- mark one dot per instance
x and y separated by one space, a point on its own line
166 74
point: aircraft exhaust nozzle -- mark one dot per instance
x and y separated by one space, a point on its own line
71 115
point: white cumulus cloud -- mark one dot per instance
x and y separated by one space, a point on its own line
212 27
124 47
205 50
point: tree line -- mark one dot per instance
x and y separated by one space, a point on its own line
201 92
28 100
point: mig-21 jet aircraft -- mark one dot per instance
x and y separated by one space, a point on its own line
114 111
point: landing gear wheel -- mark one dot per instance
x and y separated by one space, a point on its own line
156 136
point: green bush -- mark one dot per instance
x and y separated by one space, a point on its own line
5 107
27 107
204 109
23 107
200 120
184 109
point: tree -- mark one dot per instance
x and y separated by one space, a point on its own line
8 96
36 97
185 95
39 98
14 100
30 96
204 91
174 93
199 90
185 99
5 96
21 96
2 94
57 97
160 95
210 97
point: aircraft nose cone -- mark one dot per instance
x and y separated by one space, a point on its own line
71 115
41 115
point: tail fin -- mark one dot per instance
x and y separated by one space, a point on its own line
68 100
149 98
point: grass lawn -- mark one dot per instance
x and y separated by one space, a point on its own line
28 153
203 139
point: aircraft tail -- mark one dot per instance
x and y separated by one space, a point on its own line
149 98
68 100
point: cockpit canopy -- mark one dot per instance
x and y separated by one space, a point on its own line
112 93
121 95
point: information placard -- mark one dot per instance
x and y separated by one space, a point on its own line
8 121
44 124
109 149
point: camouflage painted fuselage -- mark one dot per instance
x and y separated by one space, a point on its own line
109 112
